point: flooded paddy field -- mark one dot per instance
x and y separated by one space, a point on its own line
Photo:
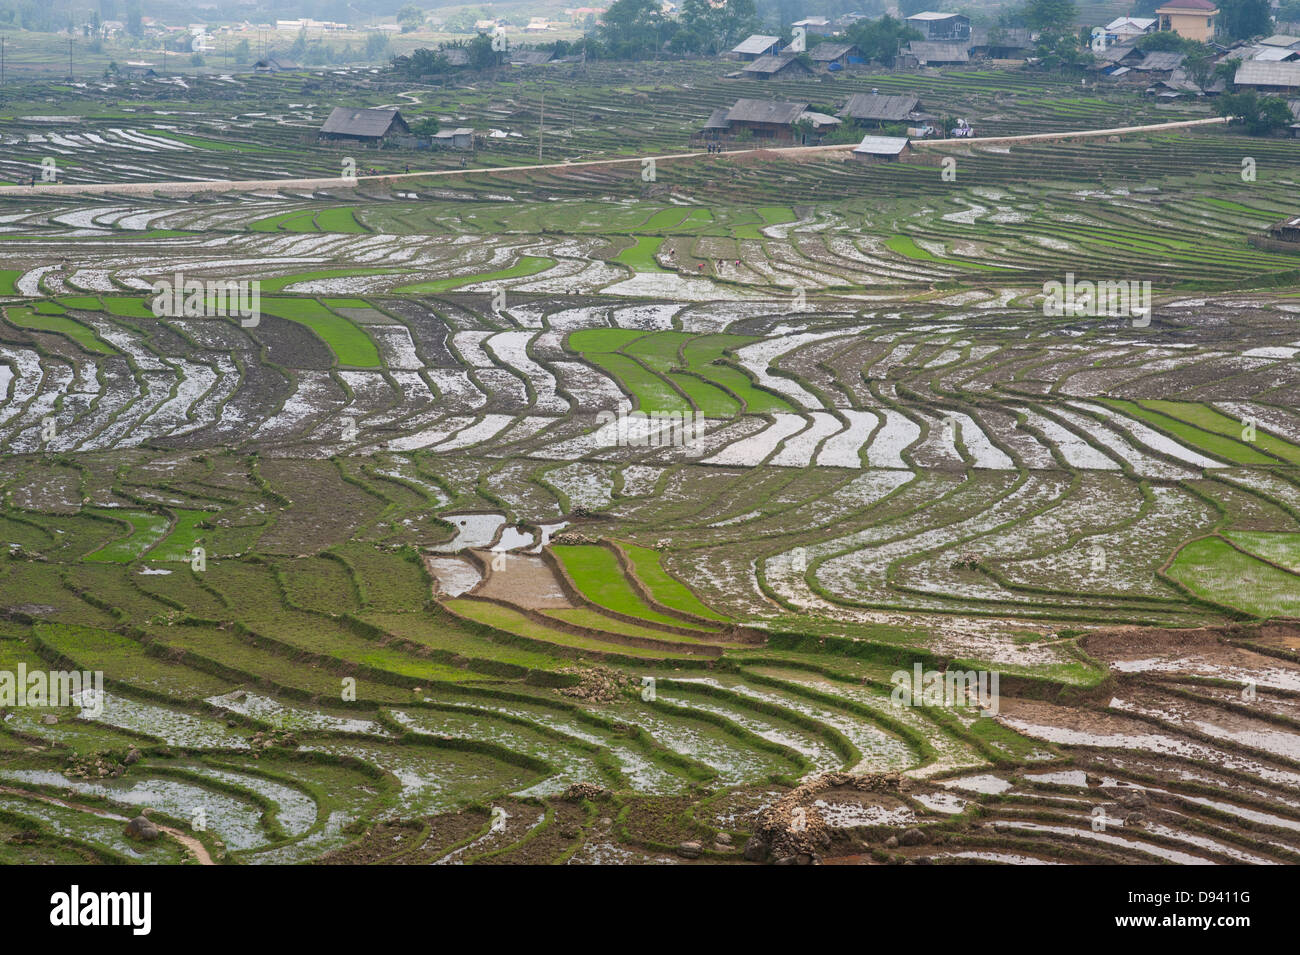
546 518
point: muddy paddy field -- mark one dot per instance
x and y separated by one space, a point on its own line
384 577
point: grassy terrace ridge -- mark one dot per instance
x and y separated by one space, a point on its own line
665 588
596 573
526 266
349 343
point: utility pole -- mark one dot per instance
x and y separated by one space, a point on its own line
541 124
69 57
2 61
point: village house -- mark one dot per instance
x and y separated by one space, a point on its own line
784 65
753 47
1190 19
881 148
1281 78
462 137
815 26
768 120
1011 43
876 109
941 26
368 126
274 63
929 53
1128 29
833 57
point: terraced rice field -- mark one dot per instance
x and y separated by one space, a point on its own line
404 572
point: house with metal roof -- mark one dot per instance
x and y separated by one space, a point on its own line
274 63
815 26
1159 62
363 125
835 56
784 65
1008 43
940 26
881 148
462 137
766 119
926 53
1269 77
875 109
752 47
1282 40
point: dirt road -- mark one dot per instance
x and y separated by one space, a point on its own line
271 185
191 844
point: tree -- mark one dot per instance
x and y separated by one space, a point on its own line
243 52
1243 19
631 28
1050 16
410 18
1260 115
1060 51
376 45
881 39
425 126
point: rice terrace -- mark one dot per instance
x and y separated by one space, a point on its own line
618 454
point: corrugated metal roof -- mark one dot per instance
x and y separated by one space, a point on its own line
1140 23
717 119
765 111
931 15
825 52
931 51
1197 6
877 106
756 44
1281 39
1160 61
820 119
881 145
1273 54
347 121
1254 73
774 63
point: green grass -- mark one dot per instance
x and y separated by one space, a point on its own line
640 256
184 536
43 320
701 352
281 282
1208 419
526 266
597 575
511 621
666 589
8 281
145 530
1279 547
350 344
1213 444
907 247
340 219
770 215
1213 569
